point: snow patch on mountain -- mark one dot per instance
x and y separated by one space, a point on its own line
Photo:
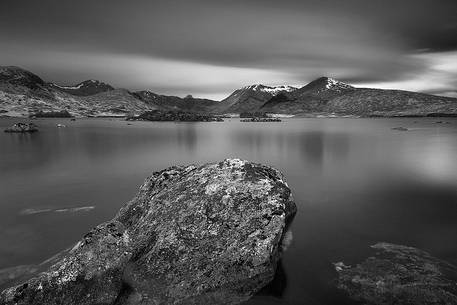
333 84
90 82
69 87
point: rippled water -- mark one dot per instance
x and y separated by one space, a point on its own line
355 181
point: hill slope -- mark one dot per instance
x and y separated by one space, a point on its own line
188 104
328 96
115 102
23 93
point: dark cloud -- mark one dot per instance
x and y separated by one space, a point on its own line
357 40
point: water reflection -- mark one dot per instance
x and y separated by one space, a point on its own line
312 147
187 136
339 146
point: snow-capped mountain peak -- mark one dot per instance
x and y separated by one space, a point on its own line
272 90
324 84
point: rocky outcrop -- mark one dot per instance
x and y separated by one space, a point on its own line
207 234
399 275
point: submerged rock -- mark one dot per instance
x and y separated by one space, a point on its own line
399 275
12 273
207 234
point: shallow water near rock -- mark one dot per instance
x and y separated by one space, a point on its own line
356 182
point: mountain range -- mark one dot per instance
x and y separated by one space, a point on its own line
23 93
85 88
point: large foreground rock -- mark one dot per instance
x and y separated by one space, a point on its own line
400 275
206 234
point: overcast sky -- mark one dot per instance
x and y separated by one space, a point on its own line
210 48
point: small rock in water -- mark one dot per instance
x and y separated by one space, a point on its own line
400 128
399 275
208 234
340 266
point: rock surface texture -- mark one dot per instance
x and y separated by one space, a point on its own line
207 234
399 275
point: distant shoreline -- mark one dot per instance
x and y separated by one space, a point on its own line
296 116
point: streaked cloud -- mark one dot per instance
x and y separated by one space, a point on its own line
137 72
438 75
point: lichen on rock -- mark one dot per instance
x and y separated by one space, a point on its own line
208 234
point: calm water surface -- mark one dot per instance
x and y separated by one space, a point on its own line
356 182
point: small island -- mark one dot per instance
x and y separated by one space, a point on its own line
255 114
52 114
261 120
257 117
22 128
174 116
400 128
